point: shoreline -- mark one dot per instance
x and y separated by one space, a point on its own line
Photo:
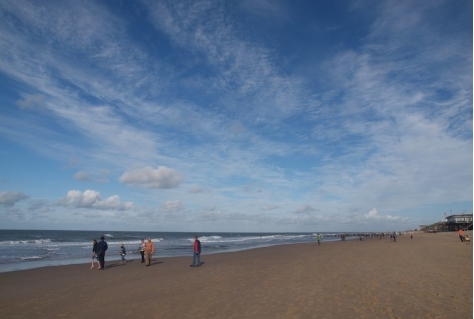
427 277
40 262
35 264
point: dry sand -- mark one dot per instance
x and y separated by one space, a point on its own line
427 277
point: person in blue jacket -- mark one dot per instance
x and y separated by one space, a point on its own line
101 249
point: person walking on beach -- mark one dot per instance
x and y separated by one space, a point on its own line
461 234
394 237
318 238
142 250
101 249
149 250
94 254
123 252
197 252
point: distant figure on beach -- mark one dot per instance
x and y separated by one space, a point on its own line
411 236
318 238
461 234
149 250
197 252
101 249
142 250
94 254
394 237
123 252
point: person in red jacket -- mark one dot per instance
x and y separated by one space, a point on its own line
197 252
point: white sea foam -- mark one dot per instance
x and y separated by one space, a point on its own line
208 239
30 257
133 244
25 242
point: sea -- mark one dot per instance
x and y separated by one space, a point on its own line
27 249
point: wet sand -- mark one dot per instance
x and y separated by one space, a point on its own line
427 277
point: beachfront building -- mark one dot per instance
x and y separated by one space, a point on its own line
455 222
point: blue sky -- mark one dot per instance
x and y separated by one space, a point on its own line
235 115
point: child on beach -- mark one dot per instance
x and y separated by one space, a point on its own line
123 252
318 238
94 254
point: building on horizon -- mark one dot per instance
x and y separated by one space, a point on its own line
456 222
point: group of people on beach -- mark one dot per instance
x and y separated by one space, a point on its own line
146 250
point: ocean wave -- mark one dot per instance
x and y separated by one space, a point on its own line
128 243
134 243
31 257
23 242
208 238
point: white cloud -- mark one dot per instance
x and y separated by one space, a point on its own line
196 189
92 199
11 198
31 102
372 214
100 177
39 206
172 206
147 177
305 209
81 176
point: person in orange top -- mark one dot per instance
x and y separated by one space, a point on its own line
461 234
149 250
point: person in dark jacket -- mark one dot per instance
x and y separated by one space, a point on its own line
101 249
197 253
142 250
94 254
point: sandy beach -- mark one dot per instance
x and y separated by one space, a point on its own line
429 276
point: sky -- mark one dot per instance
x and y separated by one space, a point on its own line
235 116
